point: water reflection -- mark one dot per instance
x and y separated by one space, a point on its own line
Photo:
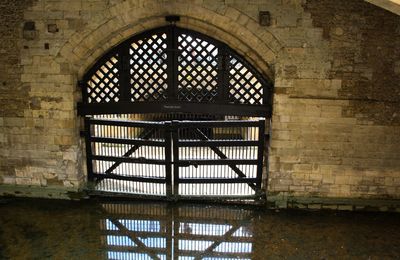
38 229
140 231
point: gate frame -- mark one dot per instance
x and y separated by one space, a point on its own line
222 105
172 162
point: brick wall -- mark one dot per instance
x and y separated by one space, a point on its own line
335 128
38 125
13 94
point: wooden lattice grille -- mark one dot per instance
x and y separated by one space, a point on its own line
170 66
244 86
197 69
148 68
103 85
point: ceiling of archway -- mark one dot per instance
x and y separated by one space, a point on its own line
390 5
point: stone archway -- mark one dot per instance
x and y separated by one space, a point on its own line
53 63
132 17
125 19
175 72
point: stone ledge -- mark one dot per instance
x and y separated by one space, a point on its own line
349 204
50 192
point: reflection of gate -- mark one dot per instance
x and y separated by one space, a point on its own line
156 231
176 159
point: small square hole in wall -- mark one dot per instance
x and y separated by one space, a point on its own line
29 30
47 46
29 26
265 18
52 28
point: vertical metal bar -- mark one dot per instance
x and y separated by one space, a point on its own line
267 95
168 158
260 156
172 63
223 74
124 72
175 232
169 232
266 156
88 143
175 147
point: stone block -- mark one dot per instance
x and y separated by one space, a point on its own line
297 188
8 180
14 121
331 207
242 19
314 206
64 140
345 207
23 181
232 13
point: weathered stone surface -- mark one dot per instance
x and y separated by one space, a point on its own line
336 122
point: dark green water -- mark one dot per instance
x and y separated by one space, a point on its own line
50 229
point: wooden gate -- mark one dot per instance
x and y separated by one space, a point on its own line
176 159
174 70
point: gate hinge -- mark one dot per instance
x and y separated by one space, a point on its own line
81 83
79 108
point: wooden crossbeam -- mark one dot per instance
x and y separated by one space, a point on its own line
217 151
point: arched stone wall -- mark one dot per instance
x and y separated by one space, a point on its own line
124 19
334 63
132 17
121 21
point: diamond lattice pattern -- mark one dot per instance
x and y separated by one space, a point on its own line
244 86
197 69
148 68
103 85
